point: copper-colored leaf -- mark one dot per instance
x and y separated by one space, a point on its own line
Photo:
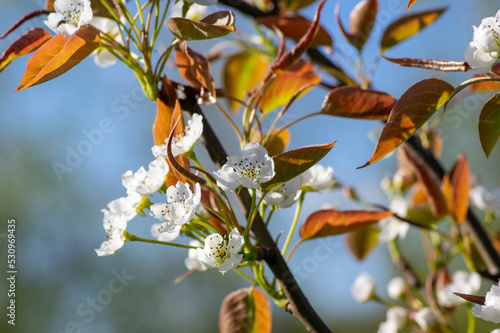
351 102
472 298
49 4
407 26
247 311
284 87
278 143
460 182
168 110
292 163
410 112
431 185
437 65
362 241
215 25
242 71
410 3
488 85
489 124
195 68
295 27
331 222
56 56
290 57
361 21
28 42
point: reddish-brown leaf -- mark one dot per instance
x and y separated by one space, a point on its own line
56 56
362 241
407 26
215 25
409 113
460 183
245 310
195 68
167 112
488 85
295 27
351 102
431 184
331 222
410 3
472 298
242 71
287 84
489 124
292 163
278 143
437 65
361 21
28 42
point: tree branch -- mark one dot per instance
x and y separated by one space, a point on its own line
298 304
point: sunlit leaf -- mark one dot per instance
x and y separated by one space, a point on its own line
410 112
488 85
410 3
168 110
214 25
362 241
407 26
294 162
245 310
489 124
242 71
437 65
277 144
295 27
56 56
361 21
195 68
28 42
460 184
285 86
293 5
351 102
430 183
330 222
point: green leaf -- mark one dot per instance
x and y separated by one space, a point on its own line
351 102
409 113
213 26
330 222
245 310
407 26
362 241
292 163
489 124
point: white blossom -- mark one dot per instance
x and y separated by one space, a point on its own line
318 178
363 288
251 169
113 243
221 253
180 207
191 261
392 227
496 330
396 287
285 194
397 315
102 57
484 50
387 327
182 144
461 282
485 199
490 311
125 206
425 318
146 182
163 236
70 16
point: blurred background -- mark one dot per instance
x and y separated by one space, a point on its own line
62 286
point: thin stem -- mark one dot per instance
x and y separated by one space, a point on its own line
250 215
228 117
293 122
471 320
240 273
134 238
205 225
293 250
298 208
